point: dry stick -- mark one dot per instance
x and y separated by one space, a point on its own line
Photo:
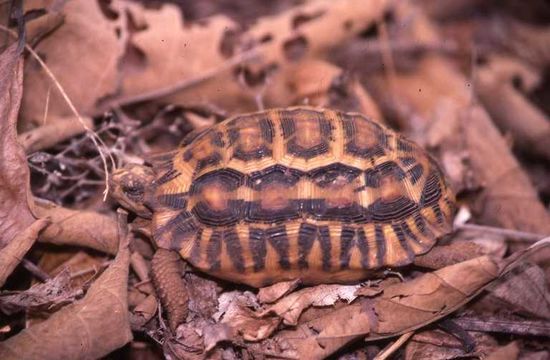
35 270
512 234
93 136
184 84
91 269
506 326
388 351
387 54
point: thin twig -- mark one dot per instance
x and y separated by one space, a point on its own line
92 269
35 270
516 235
387 54
93 136
388 351
506 326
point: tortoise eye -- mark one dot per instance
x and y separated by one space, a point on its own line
133 191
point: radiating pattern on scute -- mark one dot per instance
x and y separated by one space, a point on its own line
299 193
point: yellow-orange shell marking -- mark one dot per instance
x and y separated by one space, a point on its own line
302 193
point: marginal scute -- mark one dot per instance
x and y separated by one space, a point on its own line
299 193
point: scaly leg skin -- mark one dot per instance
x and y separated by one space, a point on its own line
166 273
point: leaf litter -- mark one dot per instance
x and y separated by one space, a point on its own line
144 76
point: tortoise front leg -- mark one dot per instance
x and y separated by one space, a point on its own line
166 270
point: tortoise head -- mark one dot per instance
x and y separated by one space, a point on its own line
131 187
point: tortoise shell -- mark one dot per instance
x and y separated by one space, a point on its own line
281 194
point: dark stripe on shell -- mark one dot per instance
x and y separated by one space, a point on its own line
234 249
363 247
326 176
195 256
177 201
324 239
409 233
227 217
438 214
404 145
380 239
278 238
306 237
387 211
213 251
403 242
431 193
167 176
257 245
407 161
347 238
266 126
307 153
415 173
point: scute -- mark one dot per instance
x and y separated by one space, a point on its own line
301 193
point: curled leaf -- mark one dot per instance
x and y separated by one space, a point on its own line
400 308
78 227
291 307
11 255
89 328
15 200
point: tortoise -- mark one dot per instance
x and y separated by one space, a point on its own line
296 193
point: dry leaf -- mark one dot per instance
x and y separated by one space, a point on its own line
291 307
54 132
87 329
235 310
508 352
47 297
11 254
186 64
270 294
400 308
524 290
172 51
436 345
78 227
215 334
83 54
15 194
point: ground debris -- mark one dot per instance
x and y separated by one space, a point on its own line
103 84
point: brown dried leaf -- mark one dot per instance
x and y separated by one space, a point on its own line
400 308
431 296
78 227
508 352
170 52
444 255
436 344
15 194
186 64
523 290
235 310
48 296
56 131
83 54
11 255
215 334
270 294
291 307
89 328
